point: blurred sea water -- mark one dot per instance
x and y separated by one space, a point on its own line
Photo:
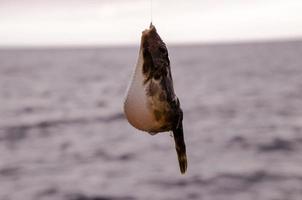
63 135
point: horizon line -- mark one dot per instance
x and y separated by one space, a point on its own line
172 44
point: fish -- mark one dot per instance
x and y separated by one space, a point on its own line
151 104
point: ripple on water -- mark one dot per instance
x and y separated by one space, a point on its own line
97 197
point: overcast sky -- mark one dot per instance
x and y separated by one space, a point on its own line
105 22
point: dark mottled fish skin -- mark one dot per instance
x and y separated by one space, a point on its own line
158 79
180 147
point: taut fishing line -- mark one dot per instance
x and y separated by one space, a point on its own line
151 10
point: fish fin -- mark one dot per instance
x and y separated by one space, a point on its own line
180 147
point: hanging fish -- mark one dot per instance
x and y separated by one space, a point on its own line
151 104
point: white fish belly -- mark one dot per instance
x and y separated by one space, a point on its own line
136 104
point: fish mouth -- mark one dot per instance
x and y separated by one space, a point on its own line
148 32
150 39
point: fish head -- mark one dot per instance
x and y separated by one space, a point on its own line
155 54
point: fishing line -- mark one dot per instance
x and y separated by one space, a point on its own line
151 10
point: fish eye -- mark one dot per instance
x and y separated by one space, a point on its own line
145 53
162 49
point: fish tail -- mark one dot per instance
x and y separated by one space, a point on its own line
180 147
